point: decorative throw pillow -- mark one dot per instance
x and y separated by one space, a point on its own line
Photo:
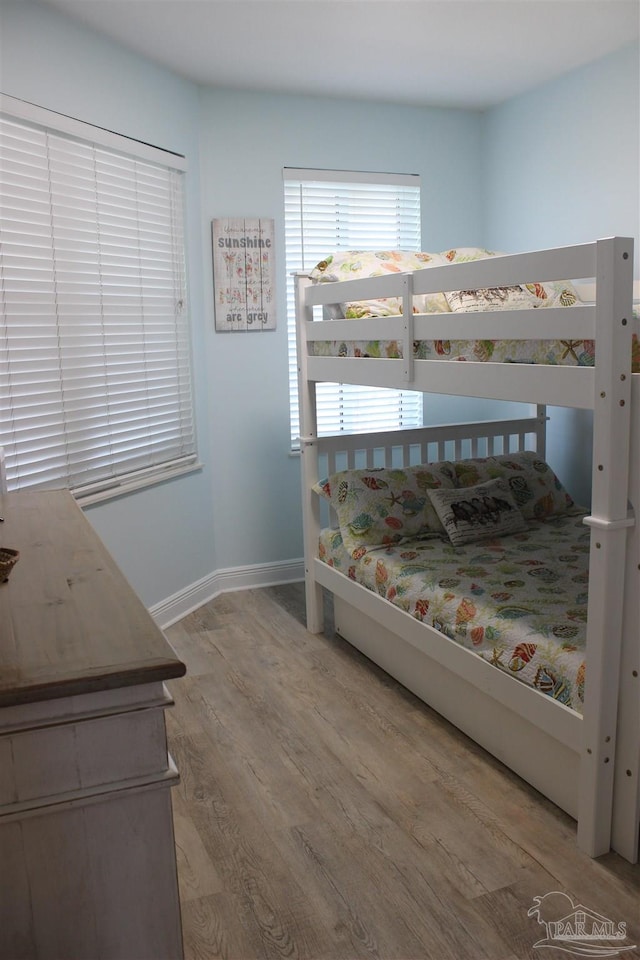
534 486
489 298
379 506
555 293
478 513
358 264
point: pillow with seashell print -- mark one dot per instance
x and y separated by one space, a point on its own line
359 264
381 506
536 489
554 293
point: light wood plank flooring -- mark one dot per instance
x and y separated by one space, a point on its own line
324 813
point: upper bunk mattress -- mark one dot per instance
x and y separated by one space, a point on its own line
359 264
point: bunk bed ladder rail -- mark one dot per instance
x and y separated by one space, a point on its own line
407 327
609 522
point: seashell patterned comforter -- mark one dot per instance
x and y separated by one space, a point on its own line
519 602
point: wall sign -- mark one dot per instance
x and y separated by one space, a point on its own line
243 273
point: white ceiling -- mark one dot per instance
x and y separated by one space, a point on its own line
460 53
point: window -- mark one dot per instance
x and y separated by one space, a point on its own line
331 210
94 343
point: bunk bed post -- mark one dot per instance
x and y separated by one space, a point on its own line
625 832
608 522
309 459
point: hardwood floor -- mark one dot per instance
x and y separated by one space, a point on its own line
325 813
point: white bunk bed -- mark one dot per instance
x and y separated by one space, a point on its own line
588 764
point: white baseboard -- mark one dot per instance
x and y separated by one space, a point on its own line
202 591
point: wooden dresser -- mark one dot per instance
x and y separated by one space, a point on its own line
87 853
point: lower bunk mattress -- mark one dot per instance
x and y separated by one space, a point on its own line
518 601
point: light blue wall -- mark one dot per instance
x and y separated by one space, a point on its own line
160 537
246 140
561 165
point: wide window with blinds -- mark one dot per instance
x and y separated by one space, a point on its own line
328 210
95 364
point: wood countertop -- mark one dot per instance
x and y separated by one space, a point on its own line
70 623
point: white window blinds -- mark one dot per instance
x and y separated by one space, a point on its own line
95 378
337 210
